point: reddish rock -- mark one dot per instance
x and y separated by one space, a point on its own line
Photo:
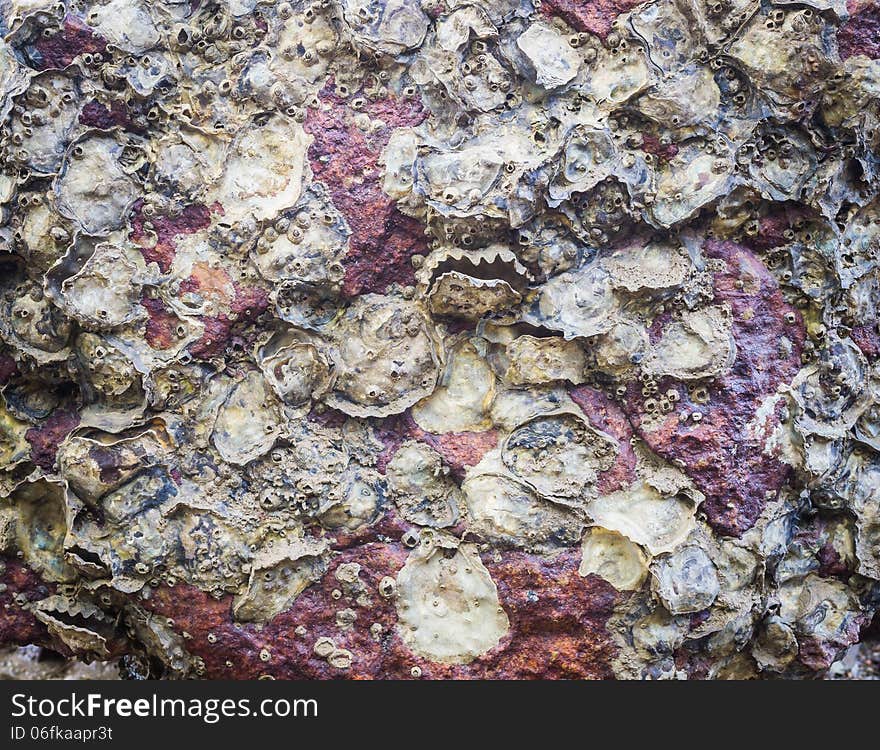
166 229
46 438
557 625
818 654
459 450
18 626
345 159
246 306
594 16
773 225
97 115
867 339
557 618
161 328
724 458
8 369
214 339
60 49
607 416
860 34
651 145
830 563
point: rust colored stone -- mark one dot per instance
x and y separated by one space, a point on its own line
594 16
214 339
18 626
109 463
773 225
724 458
867 339
860 34
166 228
161 328
75 38
819 654
345 159
459 450
46 438
97 115
651 145
247 304
830 563
8 369
607 416
557 625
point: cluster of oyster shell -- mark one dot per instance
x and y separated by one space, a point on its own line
215 404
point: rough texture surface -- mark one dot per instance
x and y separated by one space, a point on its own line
403 339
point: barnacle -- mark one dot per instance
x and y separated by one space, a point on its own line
447 335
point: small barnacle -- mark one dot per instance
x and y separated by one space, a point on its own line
387 587
324 647
340 658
